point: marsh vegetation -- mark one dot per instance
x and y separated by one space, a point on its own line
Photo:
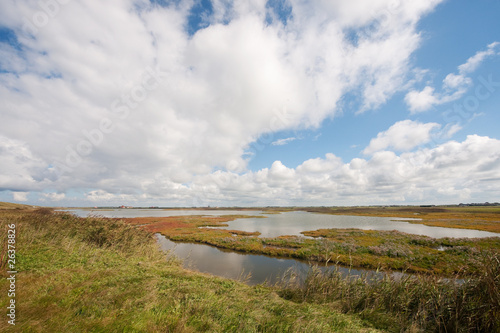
368 249
97 274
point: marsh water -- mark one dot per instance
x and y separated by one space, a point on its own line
250 268
256 269
293 223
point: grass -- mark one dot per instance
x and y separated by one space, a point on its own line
104 275
387 250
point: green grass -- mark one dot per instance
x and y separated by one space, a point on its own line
103 275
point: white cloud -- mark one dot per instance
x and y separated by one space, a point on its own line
282 142
20 196
454 85
450 129
402 136
449 172
20 168
181 139
421 100
452 171
474 61
52 196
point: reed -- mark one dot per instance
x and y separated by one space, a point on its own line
407 303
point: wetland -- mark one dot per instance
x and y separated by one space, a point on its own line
408 239
108 274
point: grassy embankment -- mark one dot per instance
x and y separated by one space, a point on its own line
103 275
391 250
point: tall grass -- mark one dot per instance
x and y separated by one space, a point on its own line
408 303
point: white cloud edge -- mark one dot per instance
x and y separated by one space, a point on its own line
282 142
454 86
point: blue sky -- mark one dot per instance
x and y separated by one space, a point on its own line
215 102
455 31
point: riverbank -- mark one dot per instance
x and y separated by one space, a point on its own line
366 249
102 275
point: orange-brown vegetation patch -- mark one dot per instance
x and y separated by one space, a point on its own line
177 225
156 224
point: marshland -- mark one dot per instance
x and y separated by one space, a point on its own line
100 273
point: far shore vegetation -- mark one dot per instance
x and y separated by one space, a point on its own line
99 274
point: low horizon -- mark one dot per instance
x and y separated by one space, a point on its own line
471 204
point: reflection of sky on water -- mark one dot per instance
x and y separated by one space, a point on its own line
292 223
208 259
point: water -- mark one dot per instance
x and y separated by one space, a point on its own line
262 268
237 266
293 223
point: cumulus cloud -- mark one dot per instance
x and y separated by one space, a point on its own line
52 196
402 136
454 85
20 196
452 170
421 100
467 170
120 101
20 168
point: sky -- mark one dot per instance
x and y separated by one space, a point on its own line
249 102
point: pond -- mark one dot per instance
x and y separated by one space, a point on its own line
292 223
252 269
